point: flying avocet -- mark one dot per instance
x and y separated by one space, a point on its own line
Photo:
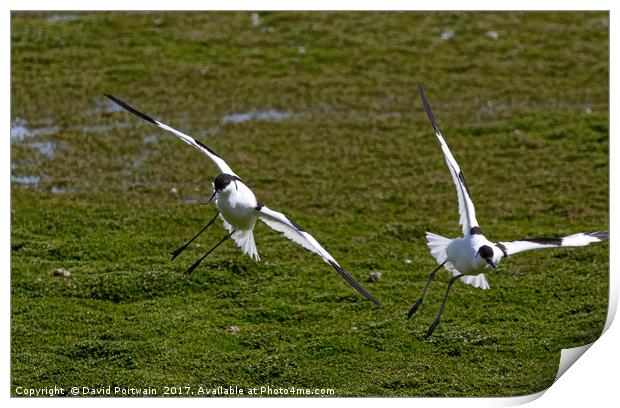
239 210
466 257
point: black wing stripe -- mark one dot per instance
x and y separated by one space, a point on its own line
464 189
354 283
462 178
199 143
545 241
299 227
503 248
132 110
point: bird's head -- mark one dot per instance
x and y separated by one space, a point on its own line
224 183
487 253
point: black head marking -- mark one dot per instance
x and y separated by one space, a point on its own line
486 252
224 180
259 205
475 231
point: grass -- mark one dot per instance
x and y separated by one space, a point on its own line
526 115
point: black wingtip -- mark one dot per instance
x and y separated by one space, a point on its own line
427 108
131 109
354 283
600 235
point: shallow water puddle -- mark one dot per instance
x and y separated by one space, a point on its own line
266 115
44 148
22 134
101 128
192 200
107 106
26 180
148 139
62 18
447 35
20 130
63 190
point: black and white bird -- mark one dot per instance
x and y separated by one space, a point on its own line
239 209
468 256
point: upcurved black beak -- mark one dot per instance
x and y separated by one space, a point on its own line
212 197
492 264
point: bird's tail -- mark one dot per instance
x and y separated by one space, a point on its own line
438 246
244 240
477 281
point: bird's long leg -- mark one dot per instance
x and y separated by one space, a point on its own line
419 302
183 247
195 265
443 303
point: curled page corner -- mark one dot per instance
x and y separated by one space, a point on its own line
568 358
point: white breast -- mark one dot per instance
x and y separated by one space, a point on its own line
462 254
237 205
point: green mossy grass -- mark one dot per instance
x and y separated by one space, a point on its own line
354 161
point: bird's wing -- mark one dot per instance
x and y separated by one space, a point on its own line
219 162
575 240
466 206
295 233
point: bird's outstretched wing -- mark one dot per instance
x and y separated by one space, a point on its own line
219 162
294 232
466 206
575 240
